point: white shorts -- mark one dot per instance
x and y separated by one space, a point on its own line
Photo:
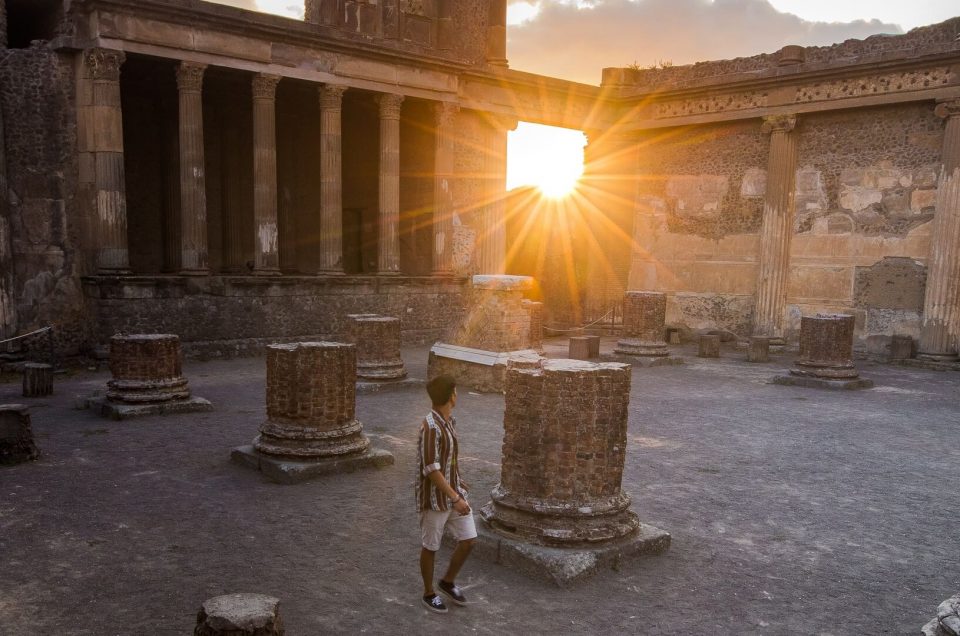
432 523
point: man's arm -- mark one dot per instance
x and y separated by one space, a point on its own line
431 468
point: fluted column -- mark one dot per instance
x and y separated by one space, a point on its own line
777 228
331 180
193 181
388 261
106 144
442 196
940 332
492 247
266 240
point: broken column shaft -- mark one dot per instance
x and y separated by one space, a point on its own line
377 339
644 316
826 347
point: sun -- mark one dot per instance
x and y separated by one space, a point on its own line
546 157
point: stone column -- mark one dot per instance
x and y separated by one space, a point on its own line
442 195
497 33
331 180
492 239
535 311
826 347
193 182
644 316
267 253
311 402
8 307
777 228
388 261
940 331
564 445
377 339
146 368
106 144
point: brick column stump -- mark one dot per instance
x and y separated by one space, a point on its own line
709 346
535 311
579 348
901 348
377 339
759 349
311 426
826 354
147 379
37 379
16 435
559 510
644 314
239 615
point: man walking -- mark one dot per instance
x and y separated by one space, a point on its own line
441 495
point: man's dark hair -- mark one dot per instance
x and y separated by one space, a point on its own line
440 389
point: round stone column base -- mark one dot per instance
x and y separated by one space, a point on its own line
560 525
938 357
826 371
147 391
386 370
305 442
646 348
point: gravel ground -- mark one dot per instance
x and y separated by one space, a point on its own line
792 510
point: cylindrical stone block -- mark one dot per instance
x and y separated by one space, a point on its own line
16 435
759 349
826 347
37 380
535 311
565 436
311 402
579 348
709 346
377 339
239 615
146 368
644 314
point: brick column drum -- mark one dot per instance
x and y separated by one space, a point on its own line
565 439
644 315
535 311
311 402
377 339
826 347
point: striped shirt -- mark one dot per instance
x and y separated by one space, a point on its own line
437 449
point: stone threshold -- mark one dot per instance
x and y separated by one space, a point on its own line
123 411
565 566
283 470
822 383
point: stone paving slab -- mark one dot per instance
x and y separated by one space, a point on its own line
291 471
822 383
120 411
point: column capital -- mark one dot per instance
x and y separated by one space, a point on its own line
389 105
948 108
104 64
331 96
779 123
265 86
190 76
501 122
445 112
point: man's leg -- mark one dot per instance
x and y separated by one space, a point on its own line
426 570
457 560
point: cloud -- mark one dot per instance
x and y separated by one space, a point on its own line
574 43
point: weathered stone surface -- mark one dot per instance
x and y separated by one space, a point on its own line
240 615
477 369
535 310
826 347
709 346
146 369
37 379
758 349
894 282
16 435
377 339
644 314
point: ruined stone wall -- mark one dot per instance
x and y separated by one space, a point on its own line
37 97
864 196
468 186
221 312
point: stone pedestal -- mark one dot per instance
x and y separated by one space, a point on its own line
644 314
388 240
535 311
239 615
579 348
759 349
709 347
826 354
377 339
16 435
565 437
37 379
947 622
311 426
331 179
495 328
147 378
901 347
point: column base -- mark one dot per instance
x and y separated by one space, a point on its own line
822 383
266 272
946 358
388 273
122 411
194 272
644 348
284 470
330 272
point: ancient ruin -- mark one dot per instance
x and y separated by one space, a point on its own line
826 354
496 327
708 346
758 349
377 339
311 427
565 439
643 329
37 379
147 379
16 435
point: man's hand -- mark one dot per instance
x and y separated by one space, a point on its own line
462 507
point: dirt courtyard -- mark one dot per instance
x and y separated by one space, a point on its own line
792 511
